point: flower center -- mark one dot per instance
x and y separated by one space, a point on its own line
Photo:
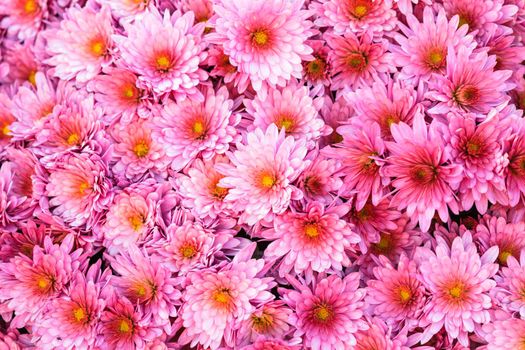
141 149
267 180
222 297
424 174
5 131
313 185
218 191
79 315
198 129
42 283
98 47
456 291
124 326
316 68
83 187
311 230
73 139
360 9
163 63
366 213
188 251
467 95
435 59
356 61
323 313
32 77
31 6
465 18
473 148
405 294
504 256
142 291
263 323
286 122
130 92
385 244
260 38
136 222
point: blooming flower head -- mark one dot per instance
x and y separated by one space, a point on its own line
496 231
515 174
505 334
81 46
267 322
23 242
78 188
290 108
422 178
321 179
171 62
265 39
6 119
127 9
22 18
357 61
329 314
203 9
379 336
316 71
215 301
334 113
222 67
458 280
259 178
22 62
510 287
355 16
316 240
470 84
191 128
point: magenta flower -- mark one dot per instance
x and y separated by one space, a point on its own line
508 237
270 321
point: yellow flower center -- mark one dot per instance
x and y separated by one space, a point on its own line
42 283
73 139
457 290
188 251
504 256
163 63
467 95
79 314
285 122
124 326
5 130
198 128
356 61
136 222
262 324
360 11
267 181
222 297
218 191
32 77
405 294
323 313
83 187
473 148
316 68
260 37
311 230
141 149
98 47
436 58
31 6
129 91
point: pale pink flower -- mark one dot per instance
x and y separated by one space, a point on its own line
510 288
334 113
355 16
470 84
357 61
509 54
128 9
22 18
202 9
222 67
515 173
273 344
23 243
189 129
423 179
171 62
6 119
316 240
379 336
259 178
459 281
265 39
505 334
270 321
329 313
82 44
22 62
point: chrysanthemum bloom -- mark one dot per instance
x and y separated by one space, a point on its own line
270 321
458 280
118 93
290 108
171 62
385 103
81 46
316 72
508 55
316 240
510 288
22 18
361 155
506 334
334 115
128 9
496 231
259 179
357 61
215 301
137 151
355 16
329 314
515 174
29 283
423 179
9 340
22 62
202 9
190 128
9 201
406 6
479 149
423 46
265 39
273 344
6 119
320 181
395 294
146 283
22 243
69 322
470 84
379 336
222 67
79 188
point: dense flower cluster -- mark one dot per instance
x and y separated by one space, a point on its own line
262 174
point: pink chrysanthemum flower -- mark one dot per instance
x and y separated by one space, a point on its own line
515 174
265 39
147 283
317 71
81 46
385 103
334 115
479 149
458 280
505 334
423 46
508 55
357 61
128 9
171 62
470 84
290 108
189 128
320 181
6 119
270 321
273 344
496 231
22 243
423 180
355 16
70 321
361 156
22 18
31 282
202 9
214 302
329 314
395 294
316 240
510 289
79 189
222 67
259 179
137 151
22 62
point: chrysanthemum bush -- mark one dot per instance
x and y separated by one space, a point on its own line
262 174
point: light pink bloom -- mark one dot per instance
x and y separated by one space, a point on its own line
265 39
171 62
202 9
458 280
270 321
320 181
79 189
6 119
334 115
290 108
316 240
424 46
22 62
505 334
510 288
215 301
222 67
329 313
357 61
23 243
274 344
259 178
515 174
22 18
189 129
508 54
128 9
355 16
82 45
469 84
423 179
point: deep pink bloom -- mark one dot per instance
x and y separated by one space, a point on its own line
270 321
22 18
515 173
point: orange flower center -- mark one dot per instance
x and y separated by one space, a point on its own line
436 58
260 38
267 180
32 77
356 61
5 131
163 62
198 129
31 6
262 324
79 315
323 313
125 326
130 91
98 47
359 8
405 294
73 139
83 187
456 291
141 149
473 148
504 256
316 68
424 174
467 95
136 222
218 191
311 230
222 298
286 122
188 251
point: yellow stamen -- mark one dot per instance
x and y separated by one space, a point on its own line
198 127
456 291
124 326
188 251
42 283
260 37
79 314
32 77
73 139
405 294
31 6
141 149
360 11
504 256
98 48
5 130
222 297
323 313
262 324
136 222
267 181
285 122
83 187
311 230
129 91
163 62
